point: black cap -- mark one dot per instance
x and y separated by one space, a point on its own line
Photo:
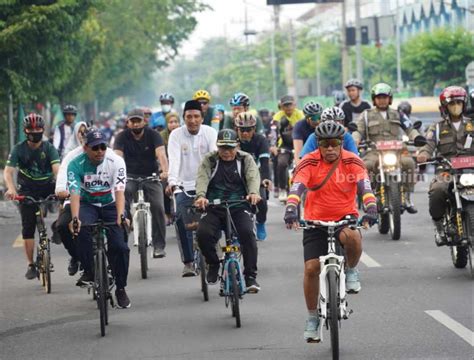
95 137
136 114
287 99
227 137
192 105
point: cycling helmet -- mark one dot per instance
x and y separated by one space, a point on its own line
240 99
33 121
404 107
245 119
333 114
381 89
339 97
202 95
69 109
329 130
450 94
219 107
354 82
312 108
167 97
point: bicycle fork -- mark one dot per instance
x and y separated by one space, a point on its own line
137 210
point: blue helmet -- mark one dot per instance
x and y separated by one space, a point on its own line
240 99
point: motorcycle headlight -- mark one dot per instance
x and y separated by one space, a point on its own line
390 159
467 180
405 138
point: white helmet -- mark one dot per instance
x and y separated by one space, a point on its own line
333 113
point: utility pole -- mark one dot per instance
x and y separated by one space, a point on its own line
274 71
276 30
397 38
318 69
247 31
359 71
344 52
293 60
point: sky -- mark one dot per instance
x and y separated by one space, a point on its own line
227 19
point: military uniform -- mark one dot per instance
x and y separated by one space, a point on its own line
372 126
443 138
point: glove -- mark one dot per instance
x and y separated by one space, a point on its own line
370 216
420 140
291 215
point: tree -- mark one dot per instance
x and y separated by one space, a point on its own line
439 56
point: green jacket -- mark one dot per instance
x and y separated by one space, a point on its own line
251 173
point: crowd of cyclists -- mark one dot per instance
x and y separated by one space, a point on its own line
308 156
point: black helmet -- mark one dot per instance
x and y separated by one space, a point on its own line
354 82
227 137
33 121
312 108
329 130
70 109
404 107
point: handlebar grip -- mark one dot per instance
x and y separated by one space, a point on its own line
19 197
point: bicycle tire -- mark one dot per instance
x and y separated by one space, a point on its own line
46 263
202 270
100 276
333 312
142 244
395 215
235 296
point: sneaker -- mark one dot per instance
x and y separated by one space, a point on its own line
409 206
352 281
252 285
31 273
73 267
123 302
311 330
261 232
212 274
411 209
85 279
189 270
158 253
283 196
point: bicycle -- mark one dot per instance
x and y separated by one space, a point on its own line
43 252
103 279
191 222
332 280
232 283
142 223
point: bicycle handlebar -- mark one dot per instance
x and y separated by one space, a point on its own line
50 198
154 177
311 224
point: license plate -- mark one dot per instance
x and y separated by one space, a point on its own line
463 162
389 145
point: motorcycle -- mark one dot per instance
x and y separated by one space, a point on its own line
388 186
458 221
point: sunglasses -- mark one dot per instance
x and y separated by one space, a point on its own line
102 147
314 118
246 129
325 143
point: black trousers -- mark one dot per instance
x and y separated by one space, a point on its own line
62 227
262 206
210 227
283 163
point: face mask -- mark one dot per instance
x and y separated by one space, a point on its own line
455 109
35 137
166 108
137 131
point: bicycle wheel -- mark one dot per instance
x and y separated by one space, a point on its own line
202 270
333 312
101 289
46 271
235 296
142 244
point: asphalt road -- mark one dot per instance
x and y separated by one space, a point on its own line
401 281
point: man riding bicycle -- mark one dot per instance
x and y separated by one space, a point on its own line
228 174
209 113
257 146
187 146
142 148
96 182
240 103
333 177
157 120
304 128
37 162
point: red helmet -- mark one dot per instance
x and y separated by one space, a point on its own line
33 121
450 94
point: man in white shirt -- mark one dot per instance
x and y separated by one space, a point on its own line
187 146
65 129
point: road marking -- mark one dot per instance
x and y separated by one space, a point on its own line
368 261
460 330
18 242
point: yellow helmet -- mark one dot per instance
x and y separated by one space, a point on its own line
202 94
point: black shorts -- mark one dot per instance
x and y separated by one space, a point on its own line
315 242
28 211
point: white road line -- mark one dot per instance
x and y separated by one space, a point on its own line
18 242
368 261
460 330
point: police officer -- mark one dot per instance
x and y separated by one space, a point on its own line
383 123
451 136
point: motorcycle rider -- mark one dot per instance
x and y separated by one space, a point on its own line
383 123
448 137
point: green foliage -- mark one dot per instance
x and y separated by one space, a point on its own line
438 57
